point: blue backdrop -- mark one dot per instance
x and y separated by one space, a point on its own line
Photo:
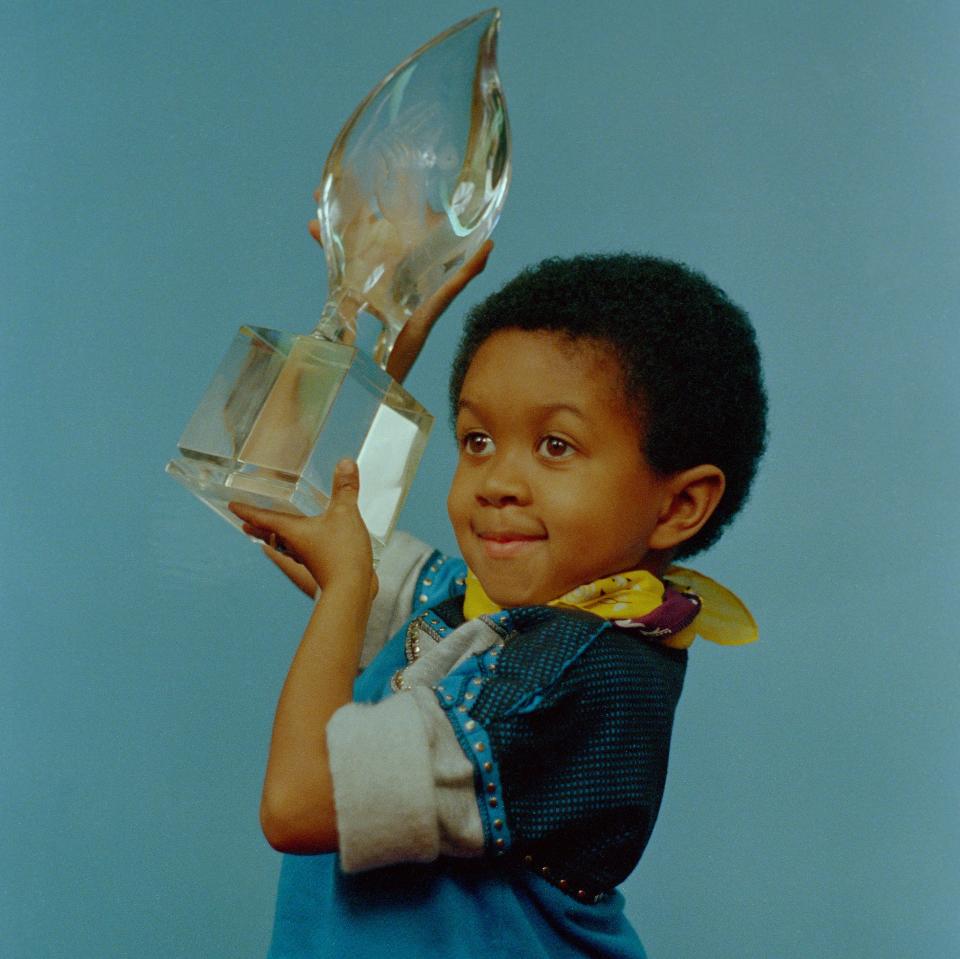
157 167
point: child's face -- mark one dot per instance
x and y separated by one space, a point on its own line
552 489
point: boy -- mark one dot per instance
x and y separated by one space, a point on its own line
502 767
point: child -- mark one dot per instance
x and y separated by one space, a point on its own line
496 771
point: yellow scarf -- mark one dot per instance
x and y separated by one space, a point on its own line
723 618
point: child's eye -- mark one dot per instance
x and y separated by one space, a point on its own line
476 443
554 448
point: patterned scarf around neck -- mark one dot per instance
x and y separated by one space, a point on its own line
628 599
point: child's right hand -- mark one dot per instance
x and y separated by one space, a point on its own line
332 549
297 573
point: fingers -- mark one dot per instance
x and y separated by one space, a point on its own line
297 573
276 544
346 483
415 332
262 520
314 551
473 267
440 300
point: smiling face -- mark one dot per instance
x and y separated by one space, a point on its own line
552 489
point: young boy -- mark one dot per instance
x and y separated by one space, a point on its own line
496 771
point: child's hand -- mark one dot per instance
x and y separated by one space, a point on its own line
333 548
297 573
416 330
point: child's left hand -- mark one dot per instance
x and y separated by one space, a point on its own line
334 547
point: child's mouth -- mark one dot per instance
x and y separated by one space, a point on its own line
503 545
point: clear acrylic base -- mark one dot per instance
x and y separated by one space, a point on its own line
282 410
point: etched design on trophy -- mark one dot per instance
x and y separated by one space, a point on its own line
412 188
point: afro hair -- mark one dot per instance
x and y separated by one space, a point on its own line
688 355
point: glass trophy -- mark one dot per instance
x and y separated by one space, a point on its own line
412 188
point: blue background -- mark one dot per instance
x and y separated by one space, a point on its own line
157 167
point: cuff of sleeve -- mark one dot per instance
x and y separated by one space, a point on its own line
382 784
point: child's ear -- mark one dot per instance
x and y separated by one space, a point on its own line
690 497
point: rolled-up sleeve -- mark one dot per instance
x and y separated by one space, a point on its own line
403 789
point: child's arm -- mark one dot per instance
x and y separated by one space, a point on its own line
416 330
297 811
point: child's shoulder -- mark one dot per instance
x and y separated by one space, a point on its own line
553 655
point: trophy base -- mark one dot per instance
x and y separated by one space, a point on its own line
216 486
282 410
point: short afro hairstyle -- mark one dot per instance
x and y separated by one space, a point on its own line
689 359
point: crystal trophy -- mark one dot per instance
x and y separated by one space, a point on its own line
412 188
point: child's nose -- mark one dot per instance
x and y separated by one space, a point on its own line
504 483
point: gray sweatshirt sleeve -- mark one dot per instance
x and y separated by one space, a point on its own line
403 788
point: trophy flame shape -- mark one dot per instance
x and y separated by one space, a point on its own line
412 188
